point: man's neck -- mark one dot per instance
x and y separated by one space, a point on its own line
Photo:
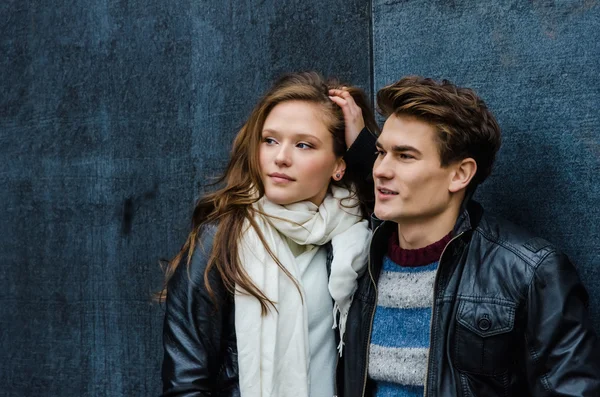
423 232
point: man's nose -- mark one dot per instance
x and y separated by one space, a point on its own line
382 169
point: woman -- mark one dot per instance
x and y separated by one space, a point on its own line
272 260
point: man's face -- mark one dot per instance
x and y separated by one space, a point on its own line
411 186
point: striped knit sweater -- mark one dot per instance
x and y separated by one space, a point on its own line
400 337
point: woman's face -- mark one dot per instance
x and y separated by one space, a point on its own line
296 154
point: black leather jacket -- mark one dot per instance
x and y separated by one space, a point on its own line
199 340
509 317
200 352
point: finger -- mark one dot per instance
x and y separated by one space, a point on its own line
340 91
349 98
337 91
346 102
341 102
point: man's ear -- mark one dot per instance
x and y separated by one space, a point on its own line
340 168
462 174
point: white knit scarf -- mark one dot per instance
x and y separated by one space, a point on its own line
273 350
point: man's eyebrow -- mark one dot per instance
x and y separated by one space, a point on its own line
400 148
405 148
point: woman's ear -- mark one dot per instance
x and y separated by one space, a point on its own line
340 168
462 174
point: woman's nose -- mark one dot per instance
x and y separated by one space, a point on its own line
283 156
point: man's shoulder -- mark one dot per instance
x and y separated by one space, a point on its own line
506 235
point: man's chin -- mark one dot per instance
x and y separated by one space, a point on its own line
383 214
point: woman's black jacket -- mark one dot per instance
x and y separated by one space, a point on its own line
200 352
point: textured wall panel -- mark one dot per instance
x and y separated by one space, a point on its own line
113 115
536 65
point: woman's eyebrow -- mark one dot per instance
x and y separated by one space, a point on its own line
299 135
308 136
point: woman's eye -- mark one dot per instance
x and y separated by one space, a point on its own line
303 145
269 141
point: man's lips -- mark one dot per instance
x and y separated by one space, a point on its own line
386 192
279 177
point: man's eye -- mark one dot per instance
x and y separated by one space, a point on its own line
379 152
404 156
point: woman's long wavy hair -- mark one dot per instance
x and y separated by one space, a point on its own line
231 206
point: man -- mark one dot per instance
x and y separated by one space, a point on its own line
457 302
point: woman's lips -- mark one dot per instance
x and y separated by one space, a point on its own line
281 178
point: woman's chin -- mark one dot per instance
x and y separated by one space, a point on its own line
280 199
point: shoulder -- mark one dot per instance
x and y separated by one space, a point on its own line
514 240
193 272
203 248
523 259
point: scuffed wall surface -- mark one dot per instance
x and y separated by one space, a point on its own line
113 116
536 65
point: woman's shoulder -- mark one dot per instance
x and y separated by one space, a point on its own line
192 269
189 300
203 247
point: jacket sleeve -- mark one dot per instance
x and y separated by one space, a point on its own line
192 328
563 355
361 155
359 159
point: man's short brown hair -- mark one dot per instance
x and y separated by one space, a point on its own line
465 127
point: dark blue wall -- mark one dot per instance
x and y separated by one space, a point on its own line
536 63
113 114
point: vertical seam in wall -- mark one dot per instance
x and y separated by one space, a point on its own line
371 60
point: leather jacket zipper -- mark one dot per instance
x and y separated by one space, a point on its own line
435 281
335 383
372 318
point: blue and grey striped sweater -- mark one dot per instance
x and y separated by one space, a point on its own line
401 326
